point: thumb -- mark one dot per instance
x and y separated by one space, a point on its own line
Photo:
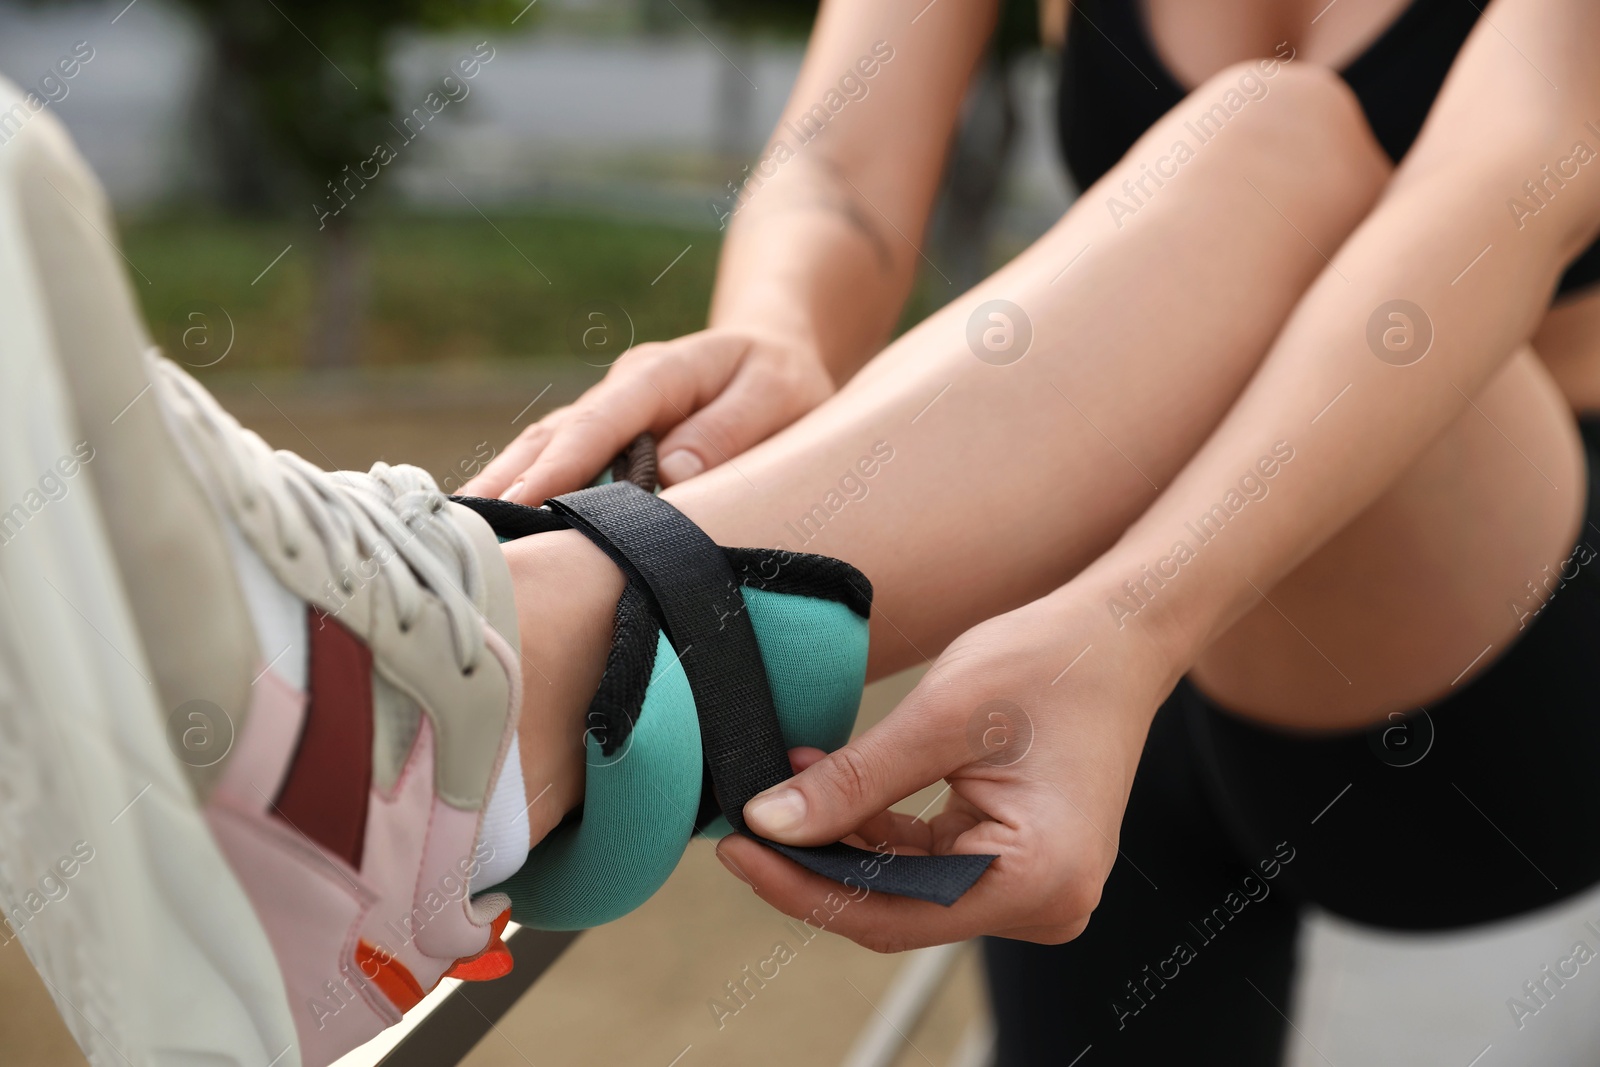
742 415
839 792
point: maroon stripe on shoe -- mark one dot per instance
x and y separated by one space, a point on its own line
326 791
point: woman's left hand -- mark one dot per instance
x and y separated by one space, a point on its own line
1039 758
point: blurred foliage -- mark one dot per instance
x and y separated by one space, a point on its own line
443 286
297 90
1017 29
301 88
771 18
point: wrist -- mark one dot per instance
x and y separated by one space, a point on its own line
791 318
771 313
1161 610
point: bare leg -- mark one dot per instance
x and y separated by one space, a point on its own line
963 488
990 484
1006 480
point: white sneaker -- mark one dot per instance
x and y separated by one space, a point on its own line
252 715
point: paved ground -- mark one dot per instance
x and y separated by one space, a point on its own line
635 992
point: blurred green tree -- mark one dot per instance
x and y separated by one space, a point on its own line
297 90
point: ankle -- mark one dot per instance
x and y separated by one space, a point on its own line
566 594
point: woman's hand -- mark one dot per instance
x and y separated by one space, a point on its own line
1039 762
706 396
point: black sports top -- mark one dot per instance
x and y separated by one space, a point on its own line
1114 87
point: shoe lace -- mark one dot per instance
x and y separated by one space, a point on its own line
392 517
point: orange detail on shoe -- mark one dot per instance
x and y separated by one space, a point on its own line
493 962
389 975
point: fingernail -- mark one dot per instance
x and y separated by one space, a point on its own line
680 466
511 494
776 812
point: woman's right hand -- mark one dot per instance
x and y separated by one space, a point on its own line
707 396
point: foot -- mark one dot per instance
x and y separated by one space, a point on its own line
566 593
719 658
253 716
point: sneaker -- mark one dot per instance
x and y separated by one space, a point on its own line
252 715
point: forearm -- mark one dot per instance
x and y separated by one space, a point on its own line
802 259
823 236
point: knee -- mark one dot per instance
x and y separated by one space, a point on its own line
1297 120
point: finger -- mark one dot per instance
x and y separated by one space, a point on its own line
888 828
910 749
503 472
894 829
752 407
913 834
801 758
947 828
600 425
903 832
656 389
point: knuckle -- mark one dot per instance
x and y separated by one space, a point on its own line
1032 872
1066 909
536 431
1057 889
1057 935
719 430
968 651
566 471
589 421
677 374
851 775
1078 900
635 356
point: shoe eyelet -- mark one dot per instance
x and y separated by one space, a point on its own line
347 585
405 627
468 672
292 551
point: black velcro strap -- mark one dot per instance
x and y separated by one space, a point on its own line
700 607
698 600
511 521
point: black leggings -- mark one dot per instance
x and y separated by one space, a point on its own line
1481 806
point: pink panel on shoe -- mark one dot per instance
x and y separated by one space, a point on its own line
452 857
397 822
397 835
311 907
260 757
450 860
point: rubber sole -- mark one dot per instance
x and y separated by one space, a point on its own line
108 873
